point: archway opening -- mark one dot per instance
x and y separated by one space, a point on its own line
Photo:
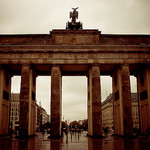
135 105
74 99
107 103
43 94
42 110
106 87
15 102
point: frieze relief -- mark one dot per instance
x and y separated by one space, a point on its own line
81 57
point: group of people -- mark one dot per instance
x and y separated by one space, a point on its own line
106 130
11 132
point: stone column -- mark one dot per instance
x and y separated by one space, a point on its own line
122 101
90 123
5 95
143 82
56 98
94 102
27 102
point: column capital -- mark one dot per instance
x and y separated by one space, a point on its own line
90 66
94 65
59 66
119 66
56 66
25 65
31 67
1 66
124 65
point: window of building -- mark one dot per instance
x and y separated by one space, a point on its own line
136 113
17 122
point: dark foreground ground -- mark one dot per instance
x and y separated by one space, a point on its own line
75 142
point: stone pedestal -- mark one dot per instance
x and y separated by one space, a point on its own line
94 102
5 85
77 37
122 101
27 102
143 82
56 98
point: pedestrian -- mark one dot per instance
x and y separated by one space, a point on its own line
67 131
3 132
105 131
11 133
43 132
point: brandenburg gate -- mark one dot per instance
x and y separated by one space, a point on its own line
76 51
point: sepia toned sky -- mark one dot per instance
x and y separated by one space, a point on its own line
41 16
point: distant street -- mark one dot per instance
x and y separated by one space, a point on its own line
75 142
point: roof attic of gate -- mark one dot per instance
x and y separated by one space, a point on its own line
74 37
84 42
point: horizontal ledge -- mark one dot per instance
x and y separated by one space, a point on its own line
142 45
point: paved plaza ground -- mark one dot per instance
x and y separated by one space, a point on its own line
75 142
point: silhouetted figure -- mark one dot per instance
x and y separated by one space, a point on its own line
3 132
73 25
106 132
67 132
74 15
16 133
11 133
43 132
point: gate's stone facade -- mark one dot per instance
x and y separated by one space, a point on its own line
76 52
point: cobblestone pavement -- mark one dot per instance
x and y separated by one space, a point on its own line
75 142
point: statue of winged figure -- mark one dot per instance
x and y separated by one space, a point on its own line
74 15
73 25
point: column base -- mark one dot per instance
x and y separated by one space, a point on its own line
4 136
23 134
125 136
96 136
54 137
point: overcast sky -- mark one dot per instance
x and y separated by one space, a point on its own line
41 16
